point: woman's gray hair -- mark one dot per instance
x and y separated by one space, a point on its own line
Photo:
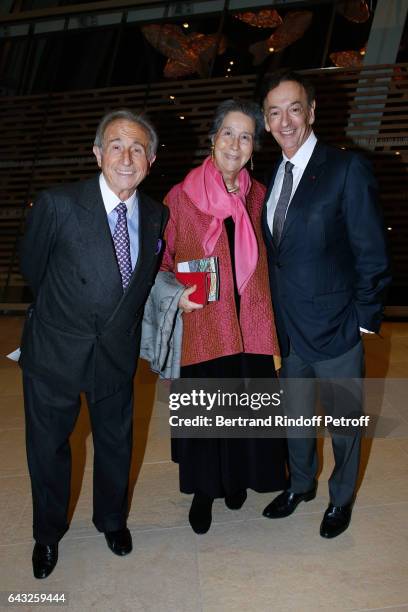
233 105
128 115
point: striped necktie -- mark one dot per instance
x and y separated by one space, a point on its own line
283 203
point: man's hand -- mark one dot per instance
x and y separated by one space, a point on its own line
185 304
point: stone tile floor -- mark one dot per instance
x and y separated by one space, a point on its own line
245 562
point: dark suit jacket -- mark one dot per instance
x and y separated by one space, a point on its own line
82 330
330 271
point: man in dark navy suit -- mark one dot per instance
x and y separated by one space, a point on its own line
328 270
90 254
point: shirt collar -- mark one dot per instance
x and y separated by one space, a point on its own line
304 153
111 200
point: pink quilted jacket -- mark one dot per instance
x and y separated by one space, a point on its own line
215 331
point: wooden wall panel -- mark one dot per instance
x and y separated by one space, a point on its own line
48 139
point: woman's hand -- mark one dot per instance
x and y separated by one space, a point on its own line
185 304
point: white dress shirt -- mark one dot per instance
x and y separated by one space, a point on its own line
110 201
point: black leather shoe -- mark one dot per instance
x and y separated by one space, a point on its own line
237 500
336 520
120 542
286 503
45 557
200 515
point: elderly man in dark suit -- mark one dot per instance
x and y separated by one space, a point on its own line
90 254
328 271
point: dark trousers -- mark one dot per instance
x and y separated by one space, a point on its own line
343 399
51 414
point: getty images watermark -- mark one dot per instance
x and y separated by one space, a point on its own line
266 408
198 398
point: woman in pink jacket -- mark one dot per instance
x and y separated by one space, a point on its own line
216 211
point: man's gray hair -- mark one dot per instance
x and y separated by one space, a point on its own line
245 107
128 115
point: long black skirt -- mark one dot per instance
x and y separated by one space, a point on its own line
222 466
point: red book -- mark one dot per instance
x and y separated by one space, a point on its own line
201 279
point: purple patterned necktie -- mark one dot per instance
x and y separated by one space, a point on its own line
122 245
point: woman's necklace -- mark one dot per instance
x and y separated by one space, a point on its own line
233 189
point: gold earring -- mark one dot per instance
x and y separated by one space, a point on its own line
212 152
252 164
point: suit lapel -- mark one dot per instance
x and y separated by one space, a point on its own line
97 243
149 231
96 236
306 187
267 231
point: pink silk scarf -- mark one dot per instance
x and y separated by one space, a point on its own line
206 189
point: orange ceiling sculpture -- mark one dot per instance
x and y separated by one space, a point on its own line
187 54
354 10
294 25
347 59
175 70
262 19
